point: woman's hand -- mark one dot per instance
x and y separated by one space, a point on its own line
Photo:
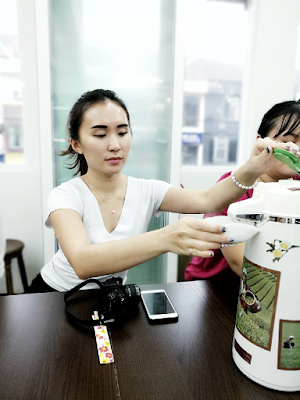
190 236
261 159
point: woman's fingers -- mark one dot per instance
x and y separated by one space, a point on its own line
293 148
267 143
261 159
200 237
210 242
202 254
205 231
202 225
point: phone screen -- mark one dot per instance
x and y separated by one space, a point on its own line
158 305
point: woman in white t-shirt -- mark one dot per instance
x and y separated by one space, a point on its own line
101 218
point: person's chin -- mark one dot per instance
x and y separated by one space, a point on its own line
114 169
287 176
286 173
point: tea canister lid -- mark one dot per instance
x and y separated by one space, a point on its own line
276 199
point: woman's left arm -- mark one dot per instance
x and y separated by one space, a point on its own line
225 192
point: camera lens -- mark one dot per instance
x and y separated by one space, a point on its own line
133 292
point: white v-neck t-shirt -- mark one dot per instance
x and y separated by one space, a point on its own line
142 201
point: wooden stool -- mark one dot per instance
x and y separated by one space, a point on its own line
14 249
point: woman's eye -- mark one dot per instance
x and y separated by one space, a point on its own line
100 136
122 133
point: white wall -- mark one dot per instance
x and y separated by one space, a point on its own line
270 72
269 77
172 259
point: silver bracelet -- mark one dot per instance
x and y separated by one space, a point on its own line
240 185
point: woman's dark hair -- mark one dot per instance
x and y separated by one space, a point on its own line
75 119
285 116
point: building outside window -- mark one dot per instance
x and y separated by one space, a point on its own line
215 53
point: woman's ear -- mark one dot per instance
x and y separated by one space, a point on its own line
75 146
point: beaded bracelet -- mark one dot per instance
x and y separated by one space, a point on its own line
240 185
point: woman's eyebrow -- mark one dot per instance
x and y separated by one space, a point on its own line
99 126
294 135
105 126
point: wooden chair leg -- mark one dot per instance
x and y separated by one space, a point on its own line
22 272
9 284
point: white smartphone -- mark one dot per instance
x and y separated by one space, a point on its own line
157 304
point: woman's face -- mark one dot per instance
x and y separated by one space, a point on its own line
104 138
280 170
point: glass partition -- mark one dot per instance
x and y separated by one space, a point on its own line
297 72
126 47
215 53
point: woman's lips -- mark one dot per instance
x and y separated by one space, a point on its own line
114 160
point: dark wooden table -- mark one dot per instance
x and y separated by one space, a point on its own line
46 356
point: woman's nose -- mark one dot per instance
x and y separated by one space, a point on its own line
114 144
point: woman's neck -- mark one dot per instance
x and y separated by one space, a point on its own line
103 183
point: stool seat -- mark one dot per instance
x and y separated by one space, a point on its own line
13 246
14 249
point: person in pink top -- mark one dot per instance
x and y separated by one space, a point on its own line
282 124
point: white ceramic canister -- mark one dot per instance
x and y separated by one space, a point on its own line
266 342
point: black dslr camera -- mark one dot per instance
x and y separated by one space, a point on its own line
114 300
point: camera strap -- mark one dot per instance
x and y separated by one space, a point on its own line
87 322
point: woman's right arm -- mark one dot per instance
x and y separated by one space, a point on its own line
89 260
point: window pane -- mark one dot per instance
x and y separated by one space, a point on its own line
11 128
215 52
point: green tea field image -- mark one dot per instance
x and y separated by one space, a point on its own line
257 302
289 352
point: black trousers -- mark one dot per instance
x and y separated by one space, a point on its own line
38 285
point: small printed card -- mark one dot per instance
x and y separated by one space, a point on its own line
103 343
